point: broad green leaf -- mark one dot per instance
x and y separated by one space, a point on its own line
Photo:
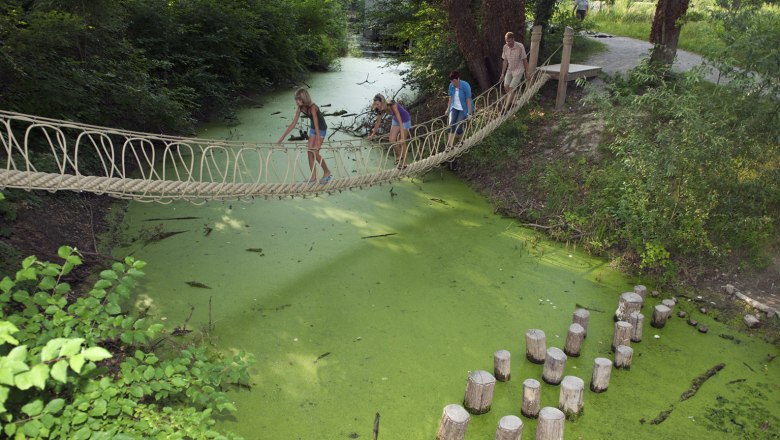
64 251
83 434
33 408
137 392
8 368
54 406
108 275
6 285
18 354
39 374
52 349
98 293
98 408
62 288
139 264
48 420
20 296
74 260
10 429
77 362
102 284
113 309
79 418
47 283
59 371
96 354
27 262
71 347
32 428
149 373
26 274
6 329
23 381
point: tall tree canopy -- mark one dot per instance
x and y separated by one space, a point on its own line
156 65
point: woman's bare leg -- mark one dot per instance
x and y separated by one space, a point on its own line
318 158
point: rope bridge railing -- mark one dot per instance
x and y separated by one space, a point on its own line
54 155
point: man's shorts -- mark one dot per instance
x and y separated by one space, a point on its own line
513 81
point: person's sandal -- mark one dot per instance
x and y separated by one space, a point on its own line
326 179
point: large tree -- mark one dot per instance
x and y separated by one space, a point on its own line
480 33
665 32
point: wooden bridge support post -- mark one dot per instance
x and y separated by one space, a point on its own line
563 76
533 58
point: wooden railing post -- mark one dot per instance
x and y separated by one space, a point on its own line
563 76
533 59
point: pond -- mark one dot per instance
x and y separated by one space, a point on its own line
383 300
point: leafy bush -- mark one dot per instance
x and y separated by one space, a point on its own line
82 368
690 173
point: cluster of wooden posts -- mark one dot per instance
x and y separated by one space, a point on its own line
629 321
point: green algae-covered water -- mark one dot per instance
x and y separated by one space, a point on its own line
383 300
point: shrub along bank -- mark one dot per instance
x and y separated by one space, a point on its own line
685 177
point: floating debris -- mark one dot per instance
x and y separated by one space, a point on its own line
207 230
170 218
323 355
258 251
197 284
159 236
380 235
179 331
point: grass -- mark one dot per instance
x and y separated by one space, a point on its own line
634 19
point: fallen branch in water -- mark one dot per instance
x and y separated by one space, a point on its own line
380 235
695 385
699 381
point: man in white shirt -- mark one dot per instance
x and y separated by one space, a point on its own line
515 63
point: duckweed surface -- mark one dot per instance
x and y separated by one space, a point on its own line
383 300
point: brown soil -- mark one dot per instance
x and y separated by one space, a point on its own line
46 221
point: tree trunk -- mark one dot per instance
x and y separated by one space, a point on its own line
482 50
665 32
500 17
471 46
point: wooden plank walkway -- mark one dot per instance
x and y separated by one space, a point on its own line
575 71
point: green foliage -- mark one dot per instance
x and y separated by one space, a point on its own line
83 368
422 30
690 177
633 19
157 66
747 52
502 147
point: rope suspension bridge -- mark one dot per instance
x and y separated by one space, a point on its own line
47 154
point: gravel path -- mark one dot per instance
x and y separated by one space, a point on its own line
625 53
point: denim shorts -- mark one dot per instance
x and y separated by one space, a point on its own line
456 118
407 124
323 133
